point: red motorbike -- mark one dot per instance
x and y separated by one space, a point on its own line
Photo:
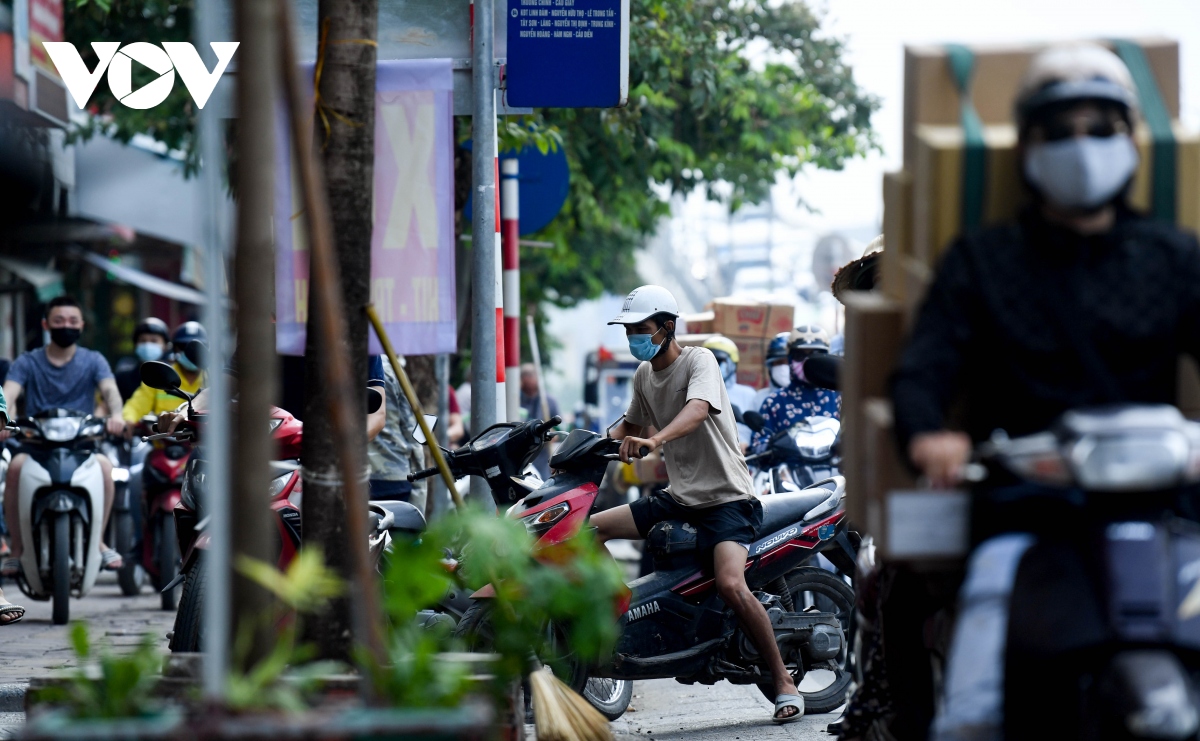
162 482
673 622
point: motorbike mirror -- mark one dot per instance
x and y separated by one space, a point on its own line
754 421
158 375
375 400
197 352
823 370
418 435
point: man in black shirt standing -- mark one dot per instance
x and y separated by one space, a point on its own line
1080 302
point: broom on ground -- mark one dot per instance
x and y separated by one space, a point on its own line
561 714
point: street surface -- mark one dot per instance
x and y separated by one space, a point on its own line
664 710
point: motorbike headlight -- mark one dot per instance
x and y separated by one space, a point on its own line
275 423
546 518
279 483
60 429
1143 460
120 474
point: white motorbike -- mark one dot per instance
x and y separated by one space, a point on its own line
61 506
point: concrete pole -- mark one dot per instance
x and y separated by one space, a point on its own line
214 205
485 319
510 233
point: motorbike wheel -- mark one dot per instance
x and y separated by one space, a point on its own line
127 576
609 696
189 621
828 593
61 568
168 561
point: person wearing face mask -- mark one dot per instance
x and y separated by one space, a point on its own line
60 375
779 374
680 404
151 339
740 395
799 399
146 400
1078 302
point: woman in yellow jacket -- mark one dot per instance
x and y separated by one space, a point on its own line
152 401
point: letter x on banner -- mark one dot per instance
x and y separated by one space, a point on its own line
412 244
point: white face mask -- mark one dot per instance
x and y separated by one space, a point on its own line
1081 172
781 375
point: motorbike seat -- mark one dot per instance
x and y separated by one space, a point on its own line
781 510
405 516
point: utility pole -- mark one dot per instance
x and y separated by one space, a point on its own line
213 206
255 258
345 137
487 379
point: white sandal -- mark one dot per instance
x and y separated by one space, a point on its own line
788 701
111 560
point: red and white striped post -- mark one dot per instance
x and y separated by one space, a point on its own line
510 237
502 405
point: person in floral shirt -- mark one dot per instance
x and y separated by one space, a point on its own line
800 399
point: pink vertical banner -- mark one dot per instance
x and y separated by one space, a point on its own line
412 243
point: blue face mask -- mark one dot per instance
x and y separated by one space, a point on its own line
148 351
185 363
642 346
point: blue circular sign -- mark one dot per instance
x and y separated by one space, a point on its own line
542 181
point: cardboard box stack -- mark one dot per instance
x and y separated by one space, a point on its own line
922 215
751 325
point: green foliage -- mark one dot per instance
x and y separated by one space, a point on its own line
122 687
174 121
282 679
571 587
700 115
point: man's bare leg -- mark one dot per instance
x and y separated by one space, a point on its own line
615 524
729 565
109 492
12 503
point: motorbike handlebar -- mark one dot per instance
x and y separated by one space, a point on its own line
548 425
424 474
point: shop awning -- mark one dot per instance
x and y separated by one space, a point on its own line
48 283
145 281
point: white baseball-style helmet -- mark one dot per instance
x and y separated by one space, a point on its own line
1074 71
644 302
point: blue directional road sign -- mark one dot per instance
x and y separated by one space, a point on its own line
568 53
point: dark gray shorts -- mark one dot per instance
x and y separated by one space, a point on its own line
736 521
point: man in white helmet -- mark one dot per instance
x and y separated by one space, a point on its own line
1079 302
680 404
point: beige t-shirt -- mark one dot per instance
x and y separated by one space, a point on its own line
707 466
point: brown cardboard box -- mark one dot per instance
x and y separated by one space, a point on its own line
751 356
897 230
698 323
874 334
931 97
937 183
693 340
736 317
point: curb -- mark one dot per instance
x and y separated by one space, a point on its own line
12 698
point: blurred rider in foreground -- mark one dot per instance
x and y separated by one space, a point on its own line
1079 302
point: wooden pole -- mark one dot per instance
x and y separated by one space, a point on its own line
345 410
254 261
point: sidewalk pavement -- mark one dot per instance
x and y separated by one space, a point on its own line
35 647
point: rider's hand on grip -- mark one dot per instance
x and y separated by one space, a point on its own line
637 447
